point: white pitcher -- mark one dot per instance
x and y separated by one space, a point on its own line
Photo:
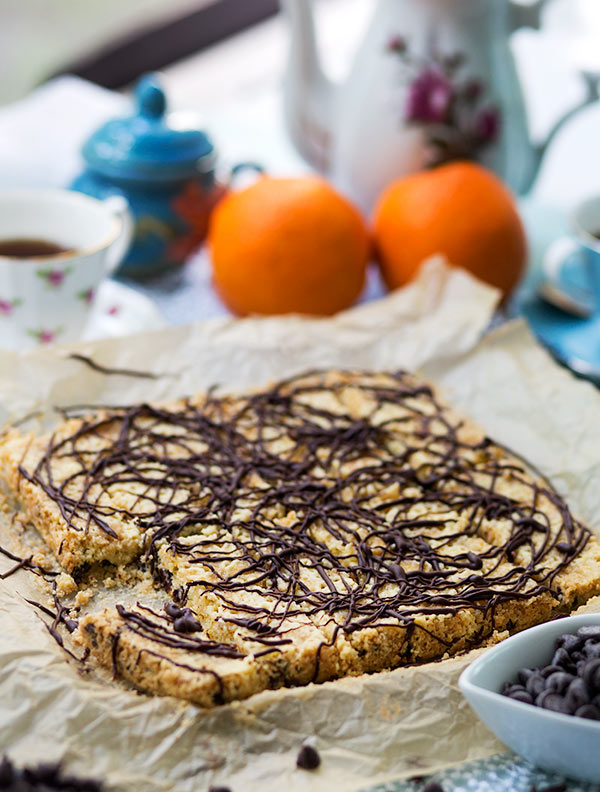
432 80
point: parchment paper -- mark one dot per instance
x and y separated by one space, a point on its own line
368 729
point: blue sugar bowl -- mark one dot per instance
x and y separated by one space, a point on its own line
166 172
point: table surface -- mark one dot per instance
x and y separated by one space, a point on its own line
235 87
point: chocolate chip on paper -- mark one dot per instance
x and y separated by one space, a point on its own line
308 758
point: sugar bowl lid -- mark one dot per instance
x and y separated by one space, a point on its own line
148 146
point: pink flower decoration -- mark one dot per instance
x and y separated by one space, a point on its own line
56 277
6 307
87 295
429 97
487 124
45 336
113 310
397 44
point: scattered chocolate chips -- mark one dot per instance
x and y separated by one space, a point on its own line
570 683
308 758
43 778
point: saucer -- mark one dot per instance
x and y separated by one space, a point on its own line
574 340
120 310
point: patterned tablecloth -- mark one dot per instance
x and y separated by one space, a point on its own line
501 773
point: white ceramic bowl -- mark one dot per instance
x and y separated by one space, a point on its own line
560 743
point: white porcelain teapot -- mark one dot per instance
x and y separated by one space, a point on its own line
433 80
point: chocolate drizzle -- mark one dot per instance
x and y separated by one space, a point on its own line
25 563
59 617
116 371
349 521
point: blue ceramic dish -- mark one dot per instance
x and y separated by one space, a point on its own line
564 744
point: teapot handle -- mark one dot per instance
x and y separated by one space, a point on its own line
592 85
526 15
529 16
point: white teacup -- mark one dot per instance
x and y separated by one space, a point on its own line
50 297
581 248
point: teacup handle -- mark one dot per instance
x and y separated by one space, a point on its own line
575 301
118 250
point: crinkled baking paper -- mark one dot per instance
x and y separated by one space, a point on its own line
367 729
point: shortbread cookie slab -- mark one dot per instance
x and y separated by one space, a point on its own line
332 524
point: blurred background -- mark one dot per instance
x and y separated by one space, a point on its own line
69 66
114 41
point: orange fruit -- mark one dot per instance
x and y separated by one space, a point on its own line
460 210
288 246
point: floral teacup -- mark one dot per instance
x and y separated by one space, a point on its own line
47 298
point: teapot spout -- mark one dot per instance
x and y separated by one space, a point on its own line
308 94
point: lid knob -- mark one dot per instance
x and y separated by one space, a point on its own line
151 99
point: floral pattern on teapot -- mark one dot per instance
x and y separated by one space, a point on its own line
460 122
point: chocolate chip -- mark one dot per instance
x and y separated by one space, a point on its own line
308 758
219 789
397 572
569 642
44 773
6 772
559 681
561 657
172 610
550 669
523 675
47 777
590 673
535 684
588 711
565 547
589 631
577 695
521 695
592 649
187 624
433 786
258 626
71 625
550 700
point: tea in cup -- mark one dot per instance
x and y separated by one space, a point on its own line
56 247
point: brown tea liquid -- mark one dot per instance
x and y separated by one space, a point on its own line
30 248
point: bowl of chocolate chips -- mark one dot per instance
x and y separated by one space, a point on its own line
539 692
